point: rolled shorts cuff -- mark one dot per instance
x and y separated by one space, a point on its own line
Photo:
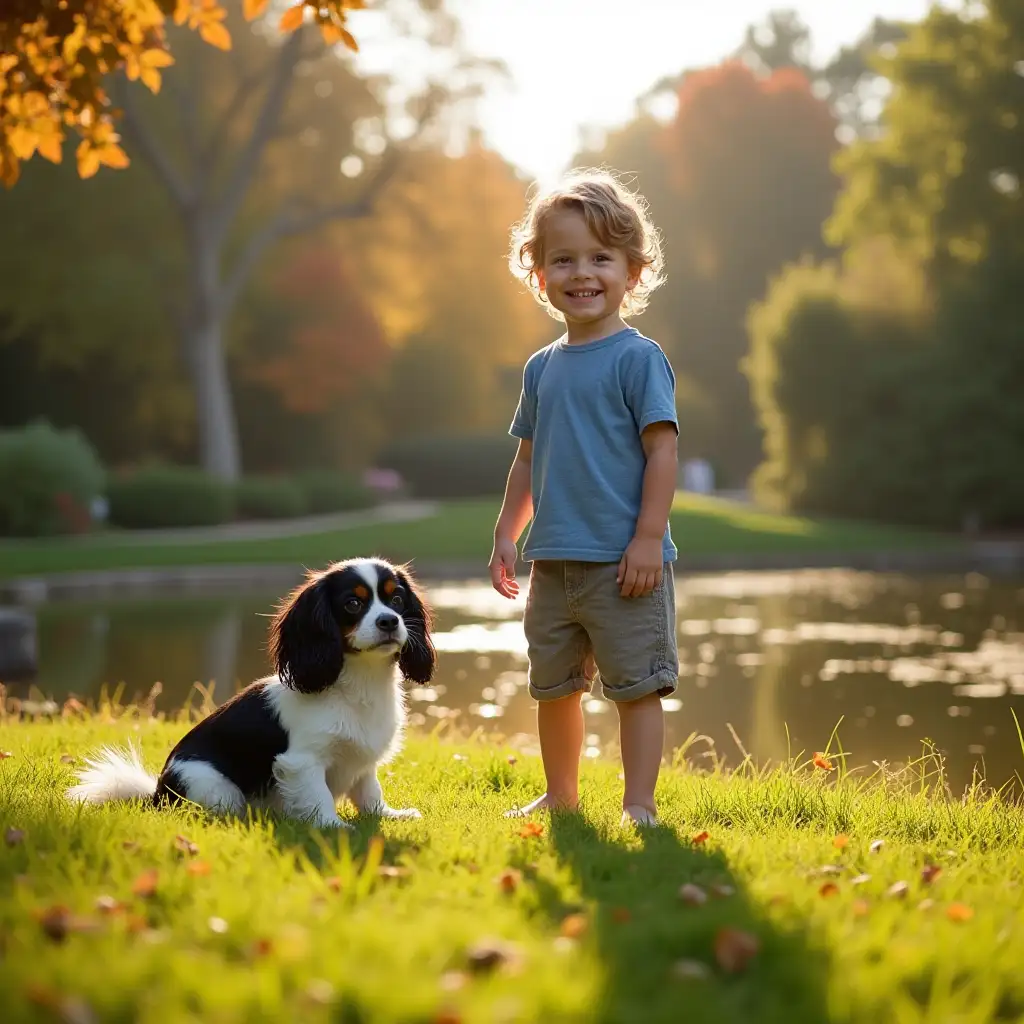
577 684
663 683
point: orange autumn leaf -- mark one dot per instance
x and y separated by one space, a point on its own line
4 754
574 926
531 830
333 883
822 762
252 9
861 908
292 18
734 949
145 885
929 873
185 845
959 912
700 838
199 868
828 889
841 842
508 880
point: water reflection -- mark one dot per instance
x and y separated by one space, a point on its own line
900 659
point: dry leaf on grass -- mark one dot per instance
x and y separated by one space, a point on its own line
860 879
841 842
700 838
531 830
898 890
393 871
453 981
509 879
959 912
4 754
218 925
145 885
574 926
129 845
333 883
14 836
489 954
260 948
693 895
320 991
734 949
822 762
512 759
925 905
860 908
199 868
929 873
877 845
67 759
828 889
185 846
57 922
109 905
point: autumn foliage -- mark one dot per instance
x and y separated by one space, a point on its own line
54 55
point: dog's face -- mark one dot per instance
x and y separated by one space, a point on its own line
364 608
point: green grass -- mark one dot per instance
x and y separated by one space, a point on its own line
460 532
291 923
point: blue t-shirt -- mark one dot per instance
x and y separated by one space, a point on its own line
584 407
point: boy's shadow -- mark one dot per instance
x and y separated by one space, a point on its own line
643 930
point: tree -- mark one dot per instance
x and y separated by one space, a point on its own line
55 55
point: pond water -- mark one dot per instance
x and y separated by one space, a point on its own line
899 659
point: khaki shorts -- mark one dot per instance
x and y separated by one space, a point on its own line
578 625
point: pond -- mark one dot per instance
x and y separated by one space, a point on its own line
899 659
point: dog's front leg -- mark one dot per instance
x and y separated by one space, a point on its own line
368 797
304 793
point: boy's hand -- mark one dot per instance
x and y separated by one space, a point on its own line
641 568
503 568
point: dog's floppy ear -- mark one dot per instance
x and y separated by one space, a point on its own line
305 641
417 659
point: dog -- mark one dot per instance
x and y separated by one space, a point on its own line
298 741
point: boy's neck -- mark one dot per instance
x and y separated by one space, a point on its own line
594 330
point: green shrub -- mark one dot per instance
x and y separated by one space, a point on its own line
49 479
452 466
327 491
269 497
154 497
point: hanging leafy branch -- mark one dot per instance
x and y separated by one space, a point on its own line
55 54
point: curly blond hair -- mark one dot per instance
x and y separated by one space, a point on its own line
615 216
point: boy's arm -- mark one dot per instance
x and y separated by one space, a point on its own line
642 565
516 510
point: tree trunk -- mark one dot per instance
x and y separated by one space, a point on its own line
215 413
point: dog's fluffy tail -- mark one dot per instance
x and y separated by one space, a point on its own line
113 774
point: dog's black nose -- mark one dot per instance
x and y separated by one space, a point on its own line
387 623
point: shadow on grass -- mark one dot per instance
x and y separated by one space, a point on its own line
642 930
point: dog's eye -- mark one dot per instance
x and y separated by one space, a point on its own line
398 603
353 605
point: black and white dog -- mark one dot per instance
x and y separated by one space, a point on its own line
298 741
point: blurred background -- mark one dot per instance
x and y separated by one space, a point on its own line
295 301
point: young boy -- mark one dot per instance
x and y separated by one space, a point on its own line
596 471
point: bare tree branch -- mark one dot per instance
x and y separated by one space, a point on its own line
266 121
295 218
152 152
214 145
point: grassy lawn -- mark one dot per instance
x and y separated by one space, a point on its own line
461 531
468 917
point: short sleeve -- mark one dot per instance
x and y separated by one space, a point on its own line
651 391
526 412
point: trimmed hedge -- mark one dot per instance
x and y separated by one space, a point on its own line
269 497
452 466
326 491
156 497
49 479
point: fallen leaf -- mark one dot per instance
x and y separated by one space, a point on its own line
860 908
459 757
929 873
333 883
320 991
959 912
14 836
185 845
690 970
487 955
841 842
512 759
621 915
129 845
693 895
198 868
531 830
722 890
828 889
58 922
453 981
828 869
926 905
4 754
67 759
261 948
700 838
898 890
393 871
860 880
109 905
574 926
218 925
877 845
145 884
822 762
509 880
734 949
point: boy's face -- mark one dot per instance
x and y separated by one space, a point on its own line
583 279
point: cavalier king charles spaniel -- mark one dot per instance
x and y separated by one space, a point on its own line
300 740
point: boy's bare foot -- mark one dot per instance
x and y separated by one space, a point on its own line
637 815
543 803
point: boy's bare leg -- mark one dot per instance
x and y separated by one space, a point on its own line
641 738
560 728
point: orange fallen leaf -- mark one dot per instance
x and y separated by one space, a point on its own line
185 845
199 868
512 759
531 830
929 873
734 949
261 948
841 842
14 836
509 880
4 754
861 908
573 926
145 884
959 912
822 762
828 889
700 838
621 915
333 883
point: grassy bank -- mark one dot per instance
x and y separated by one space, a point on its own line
460 532
827 900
